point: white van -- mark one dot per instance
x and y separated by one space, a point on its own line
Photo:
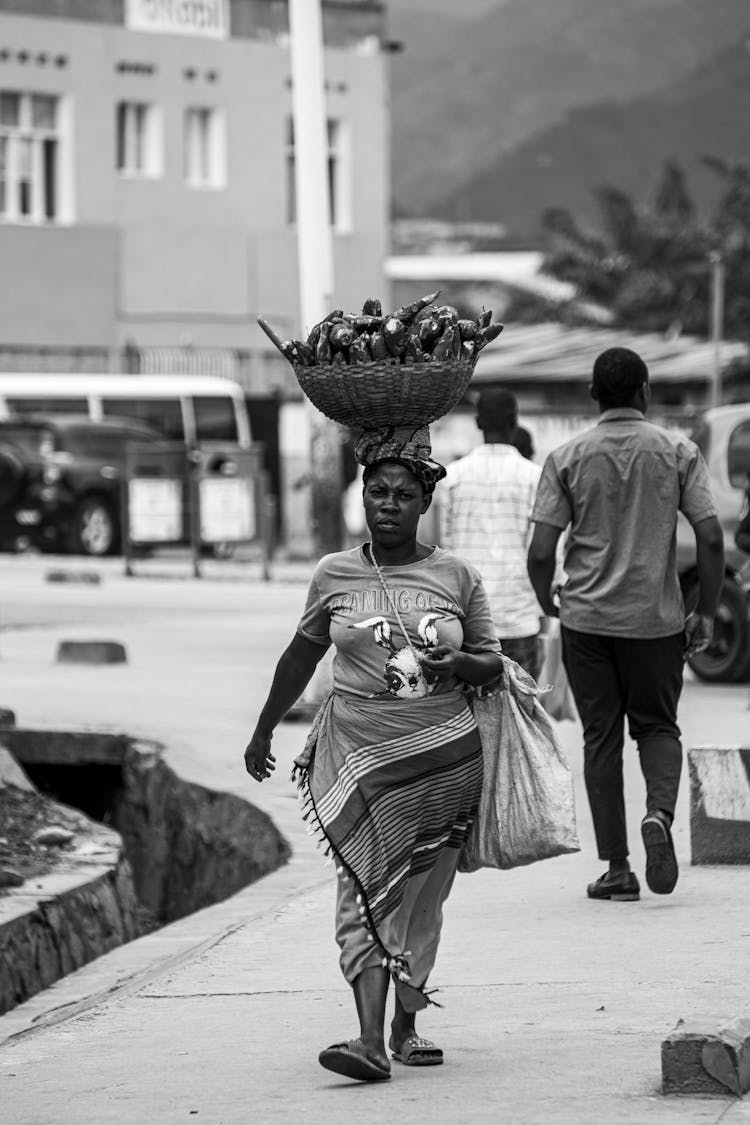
185 408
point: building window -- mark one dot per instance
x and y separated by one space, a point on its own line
338 176
290 192
138 141
215 418
337 173
204 148
162 414
29 154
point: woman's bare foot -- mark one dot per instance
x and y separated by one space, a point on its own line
401 1029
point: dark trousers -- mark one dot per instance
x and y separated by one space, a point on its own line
615 677
526 651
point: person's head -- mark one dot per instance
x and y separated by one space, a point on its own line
399 479
497 414
394 499
620 379
523 442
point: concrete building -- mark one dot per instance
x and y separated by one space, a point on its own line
147 199
146 188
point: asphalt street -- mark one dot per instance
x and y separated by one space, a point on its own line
554 1007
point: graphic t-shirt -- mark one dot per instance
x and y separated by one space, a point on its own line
440 600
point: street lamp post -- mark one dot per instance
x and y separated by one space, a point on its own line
717 322
315 250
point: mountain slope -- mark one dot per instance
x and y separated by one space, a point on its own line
466 92
623 144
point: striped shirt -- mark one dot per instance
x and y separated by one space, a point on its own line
488 497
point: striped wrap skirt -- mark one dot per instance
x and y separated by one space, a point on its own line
391 788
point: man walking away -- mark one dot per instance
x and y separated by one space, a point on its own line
524 442
619 487
488 497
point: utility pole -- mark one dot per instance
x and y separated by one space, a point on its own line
315 250
717 322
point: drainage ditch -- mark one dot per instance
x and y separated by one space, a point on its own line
186 846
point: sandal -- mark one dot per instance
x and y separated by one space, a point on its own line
416 1051
351 1060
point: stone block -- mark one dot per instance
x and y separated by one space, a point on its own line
88 577
54 835
704 1059
719 804
91 652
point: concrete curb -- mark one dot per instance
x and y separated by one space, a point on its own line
187 845
128 968
91 652
709 1060
53 924
719 804
89 577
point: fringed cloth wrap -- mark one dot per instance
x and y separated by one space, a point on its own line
390 789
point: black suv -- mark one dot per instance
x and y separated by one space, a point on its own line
61 481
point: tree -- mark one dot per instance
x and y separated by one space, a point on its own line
649 263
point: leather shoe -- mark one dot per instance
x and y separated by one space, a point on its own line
615 888
661 862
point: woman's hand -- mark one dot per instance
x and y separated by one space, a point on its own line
259 761
441 663
444 662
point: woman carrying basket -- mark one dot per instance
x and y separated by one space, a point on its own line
391 774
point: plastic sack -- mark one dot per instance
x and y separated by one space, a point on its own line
527 808
558 700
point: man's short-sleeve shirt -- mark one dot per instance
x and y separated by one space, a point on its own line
619 487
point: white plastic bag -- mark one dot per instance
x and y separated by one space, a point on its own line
558 701
527 809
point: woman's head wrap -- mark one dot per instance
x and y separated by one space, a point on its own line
406 445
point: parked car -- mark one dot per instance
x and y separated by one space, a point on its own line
61 481
723 435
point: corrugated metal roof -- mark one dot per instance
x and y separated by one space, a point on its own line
557 352
516 268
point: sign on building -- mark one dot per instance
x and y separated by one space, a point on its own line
208 18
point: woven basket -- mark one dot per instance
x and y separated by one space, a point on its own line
385 392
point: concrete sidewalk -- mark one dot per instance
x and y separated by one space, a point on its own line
554 1007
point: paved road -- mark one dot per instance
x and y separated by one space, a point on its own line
554 1007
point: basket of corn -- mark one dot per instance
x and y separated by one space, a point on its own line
370 369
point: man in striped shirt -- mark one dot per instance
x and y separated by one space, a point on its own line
488 497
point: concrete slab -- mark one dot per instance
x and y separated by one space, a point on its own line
720 804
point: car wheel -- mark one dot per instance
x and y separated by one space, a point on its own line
12 474
94 528
727 659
